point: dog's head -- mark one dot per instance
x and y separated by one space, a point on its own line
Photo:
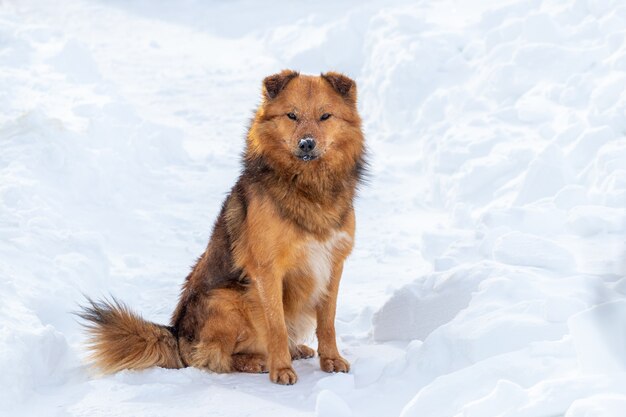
308 122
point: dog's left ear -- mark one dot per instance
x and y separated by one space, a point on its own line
274 84
345 86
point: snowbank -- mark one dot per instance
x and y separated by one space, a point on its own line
521 138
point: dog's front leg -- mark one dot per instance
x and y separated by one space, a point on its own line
270 288
330 359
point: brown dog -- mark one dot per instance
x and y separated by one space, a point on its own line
271 270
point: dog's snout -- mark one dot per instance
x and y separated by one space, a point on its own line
306 144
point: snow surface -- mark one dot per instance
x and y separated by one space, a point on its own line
489 273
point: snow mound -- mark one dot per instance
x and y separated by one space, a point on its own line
599 335
516 130
329 404
518 248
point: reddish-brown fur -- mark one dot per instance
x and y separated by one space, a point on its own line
276 254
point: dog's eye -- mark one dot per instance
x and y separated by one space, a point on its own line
325 116
292 116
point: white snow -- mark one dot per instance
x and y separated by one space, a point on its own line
489 272
599 336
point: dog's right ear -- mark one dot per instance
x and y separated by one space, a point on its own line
274 84
345 86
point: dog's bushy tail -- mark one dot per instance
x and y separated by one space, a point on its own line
120 339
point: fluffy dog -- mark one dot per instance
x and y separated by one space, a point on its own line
271 270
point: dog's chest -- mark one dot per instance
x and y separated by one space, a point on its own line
320 258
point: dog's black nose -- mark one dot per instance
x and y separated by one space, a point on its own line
306 144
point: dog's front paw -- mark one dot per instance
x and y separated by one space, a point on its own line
337 364
283 376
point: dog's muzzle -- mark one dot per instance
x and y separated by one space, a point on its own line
306 149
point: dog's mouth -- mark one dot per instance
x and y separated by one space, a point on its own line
307 156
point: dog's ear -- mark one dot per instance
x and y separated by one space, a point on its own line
274 84
345 86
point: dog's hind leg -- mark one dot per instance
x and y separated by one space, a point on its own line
249 362
301 352
217 340
214 353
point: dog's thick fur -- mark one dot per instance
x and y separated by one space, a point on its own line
271 270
